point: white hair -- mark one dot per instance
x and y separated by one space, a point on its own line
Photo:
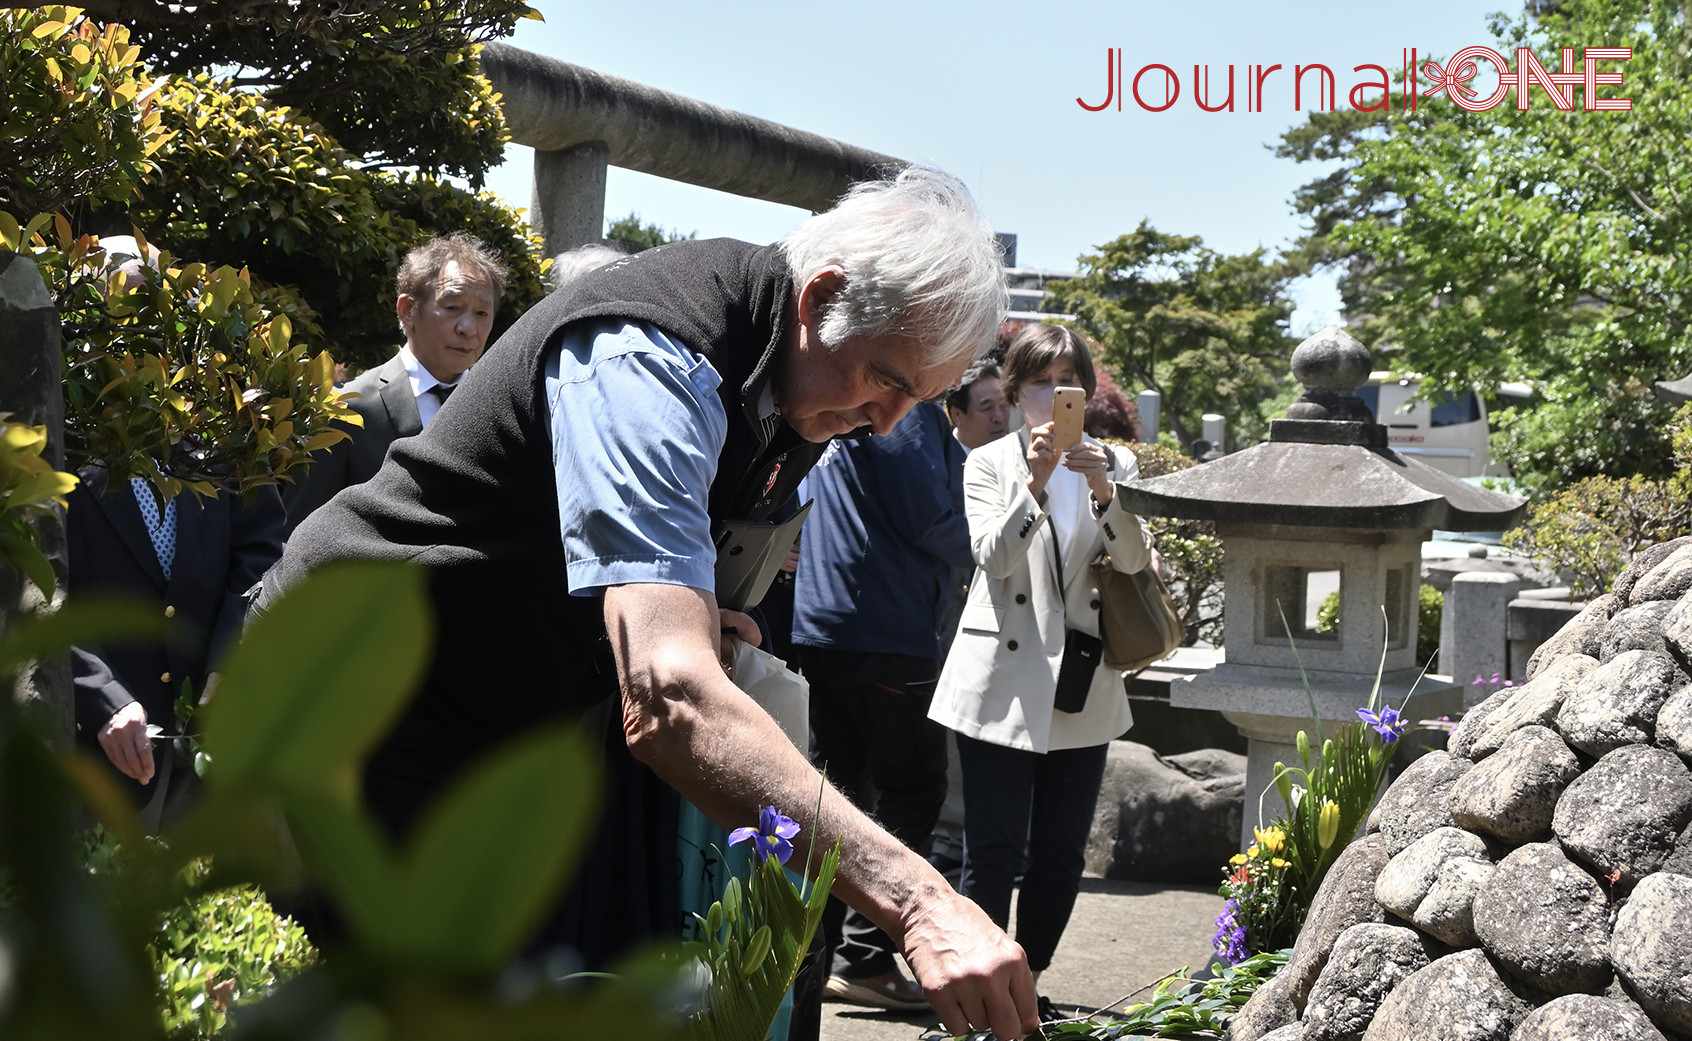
920 261
568 266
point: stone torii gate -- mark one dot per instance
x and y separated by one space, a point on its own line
580 121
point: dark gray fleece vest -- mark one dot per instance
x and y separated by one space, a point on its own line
473 498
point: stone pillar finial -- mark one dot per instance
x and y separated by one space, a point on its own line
1331 365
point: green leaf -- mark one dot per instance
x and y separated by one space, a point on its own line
30 562
83 622
492 854
731 901
87 976
343 849
319 678
757 949
746 989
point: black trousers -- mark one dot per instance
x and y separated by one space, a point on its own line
869 720
1016 801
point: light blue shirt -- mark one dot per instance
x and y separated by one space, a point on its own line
637 428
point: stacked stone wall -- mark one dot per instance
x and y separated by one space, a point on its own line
1533 882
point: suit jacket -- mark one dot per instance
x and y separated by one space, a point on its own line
390 412
1000 677
222 547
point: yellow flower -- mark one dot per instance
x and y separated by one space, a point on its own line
1237 859
1327 824
1271 838
1252 852
1277 862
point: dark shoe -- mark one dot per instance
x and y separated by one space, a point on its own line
1049 1012
888 990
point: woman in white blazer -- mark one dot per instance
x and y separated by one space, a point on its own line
1031 771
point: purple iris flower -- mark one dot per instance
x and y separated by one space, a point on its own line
1389 724
1230 938
773 835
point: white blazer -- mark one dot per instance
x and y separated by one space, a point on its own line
1000 678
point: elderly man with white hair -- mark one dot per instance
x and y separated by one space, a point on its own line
566 500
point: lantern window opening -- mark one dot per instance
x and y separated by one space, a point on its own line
1298 592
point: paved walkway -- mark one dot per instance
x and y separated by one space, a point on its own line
1123 936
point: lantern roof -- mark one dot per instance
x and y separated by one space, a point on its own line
1326 465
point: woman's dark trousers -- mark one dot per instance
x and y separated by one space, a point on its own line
1016 801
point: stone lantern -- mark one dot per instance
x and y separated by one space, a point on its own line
1323 505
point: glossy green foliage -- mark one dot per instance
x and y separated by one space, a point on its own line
1589 531
29 486
436 111
75 113
249 183
751 942
431 925
1206 330
185 375
226 174
1544 245
220 949
395 82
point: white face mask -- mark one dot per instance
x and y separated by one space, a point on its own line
1037 403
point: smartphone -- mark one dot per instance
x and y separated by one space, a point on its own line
1069 410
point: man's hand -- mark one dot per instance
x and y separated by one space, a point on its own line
709 741
734 623
742 624
124 738
974 975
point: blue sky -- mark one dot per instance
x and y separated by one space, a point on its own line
988 91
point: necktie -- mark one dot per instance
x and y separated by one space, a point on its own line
442 391
161 529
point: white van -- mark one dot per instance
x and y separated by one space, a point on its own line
1448 433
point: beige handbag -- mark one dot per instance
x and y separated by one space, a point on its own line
1137 619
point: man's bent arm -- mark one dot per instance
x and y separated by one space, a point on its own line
685 719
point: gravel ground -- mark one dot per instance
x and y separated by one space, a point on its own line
1123 936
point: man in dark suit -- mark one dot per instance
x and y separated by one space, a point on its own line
448 288
193 559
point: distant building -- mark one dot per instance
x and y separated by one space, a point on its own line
1028 285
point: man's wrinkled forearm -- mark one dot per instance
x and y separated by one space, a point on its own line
707 739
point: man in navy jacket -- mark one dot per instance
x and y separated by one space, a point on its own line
192 560
870 600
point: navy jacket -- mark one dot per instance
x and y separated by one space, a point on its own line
222 547
876 559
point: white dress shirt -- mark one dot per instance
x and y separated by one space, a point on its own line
423 381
